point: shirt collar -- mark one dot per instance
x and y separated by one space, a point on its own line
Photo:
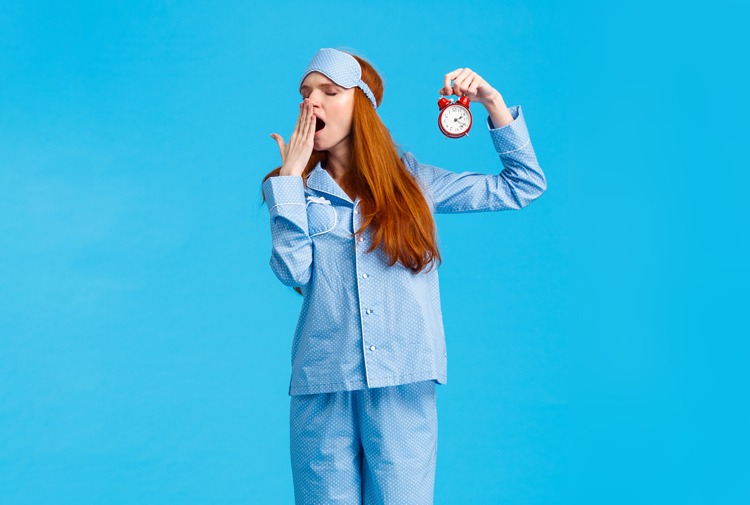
320 180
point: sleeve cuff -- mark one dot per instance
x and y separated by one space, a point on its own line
510 137
283 190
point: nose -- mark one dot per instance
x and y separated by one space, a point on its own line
314 97
311 101
315 106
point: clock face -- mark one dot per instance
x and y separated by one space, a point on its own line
455 119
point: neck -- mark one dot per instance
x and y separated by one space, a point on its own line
338 163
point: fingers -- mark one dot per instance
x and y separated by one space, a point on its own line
305 128
458 81
282 145
280 140
309 129
447 88
296 153
465 81
472 83
300 119
304 117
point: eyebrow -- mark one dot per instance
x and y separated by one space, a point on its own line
326 85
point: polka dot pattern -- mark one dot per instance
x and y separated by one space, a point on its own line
362 323
370 446
520 182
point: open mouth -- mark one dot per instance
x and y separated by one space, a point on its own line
319 124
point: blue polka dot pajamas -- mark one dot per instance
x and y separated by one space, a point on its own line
369 347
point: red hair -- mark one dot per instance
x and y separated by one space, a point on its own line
392 204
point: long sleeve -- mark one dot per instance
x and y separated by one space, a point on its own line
291 255
520 182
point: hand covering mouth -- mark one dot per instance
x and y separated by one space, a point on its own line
319 124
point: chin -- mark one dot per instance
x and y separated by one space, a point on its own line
319 145
327 145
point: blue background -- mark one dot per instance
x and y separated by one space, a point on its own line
597 338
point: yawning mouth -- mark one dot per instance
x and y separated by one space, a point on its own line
319 124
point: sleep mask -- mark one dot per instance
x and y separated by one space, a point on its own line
341 68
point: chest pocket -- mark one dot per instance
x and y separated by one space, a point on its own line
321 215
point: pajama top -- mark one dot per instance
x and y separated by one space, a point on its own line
363 323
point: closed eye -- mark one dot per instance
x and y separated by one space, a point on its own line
329 94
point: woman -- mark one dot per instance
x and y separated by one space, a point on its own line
352 231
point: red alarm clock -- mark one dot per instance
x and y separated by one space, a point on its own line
455 118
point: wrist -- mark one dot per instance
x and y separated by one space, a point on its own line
495 100
498 111
290 171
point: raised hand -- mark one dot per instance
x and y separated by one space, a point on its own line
296 154
469 83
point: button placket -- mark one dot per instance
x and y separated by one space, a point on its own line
359 261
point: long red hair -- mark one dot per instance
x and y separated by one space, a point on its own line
392 204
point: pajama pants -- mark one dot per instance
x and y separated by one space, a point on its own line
370 446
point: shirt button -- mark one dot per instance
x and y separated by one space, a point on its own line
356 211
372 347
368 311
361 239
365 276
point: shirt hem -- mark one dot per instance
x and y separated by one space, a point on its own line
394 380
